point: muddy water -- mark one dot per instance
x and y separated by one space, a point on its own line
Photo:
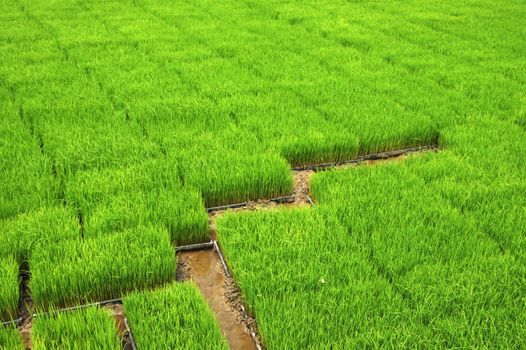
117 311
205 270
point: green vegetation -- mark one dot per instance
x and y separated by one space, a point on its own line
10 339
9 288
147 194
90 328
390 285
26 175
175 317
122 120
443 231
94 145
442 234
301 266
25 233
231 178
182 213
103 268
90 188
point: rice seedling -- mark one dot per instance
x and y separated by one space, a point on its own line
37 229
521 121
480 141
432 248
370 188
181 212
201 104
9 288
150 193
90 328
27 182
94 145
301 265
222 166
233 178
175 317
495 207
88 189
317 148
103 268
10 339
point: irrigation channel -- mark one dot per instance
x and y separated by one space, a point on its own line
205 265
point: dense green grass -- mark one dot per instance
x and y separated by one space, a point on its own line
25 233
219 87
440 255
90 328
9 288
175 317
101 269
117 115
10 339
27 182
232 178
304 280
149 193
181 212
400 287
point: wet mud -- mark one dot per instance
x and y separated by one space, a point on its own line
119 315
26 308
205 271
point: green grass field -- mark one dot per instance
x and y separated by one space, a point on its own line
92 328
121 121
175 317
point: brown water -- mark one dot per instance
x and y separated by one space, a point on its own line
117 311
205 270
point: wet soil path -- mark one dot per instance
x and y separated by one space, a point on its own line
204 268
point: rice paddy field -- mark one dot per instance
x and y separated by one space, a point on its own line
126 126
